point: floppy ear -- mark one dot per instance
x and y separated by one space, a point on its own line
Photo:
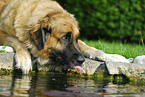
39 37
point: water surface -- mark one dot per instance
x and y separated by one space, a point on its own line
61 85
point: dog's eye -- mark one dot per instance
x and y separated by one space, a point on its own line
67 36
64 37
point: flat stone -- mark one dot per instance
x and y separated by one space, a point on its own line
89 67
128 69
6 60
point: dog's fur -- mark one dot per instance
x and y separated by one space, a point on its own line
43 29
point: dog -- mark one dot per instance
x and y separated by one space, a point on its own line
44 30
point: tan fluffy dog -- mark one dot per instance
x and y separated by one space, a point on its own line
43 29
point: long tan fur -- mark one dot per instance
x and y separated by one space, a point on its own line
20 17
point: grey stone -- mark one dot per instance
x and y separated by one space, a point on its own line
6 60
89 67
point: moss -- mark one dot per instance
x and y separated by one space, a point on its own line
1 51
4 71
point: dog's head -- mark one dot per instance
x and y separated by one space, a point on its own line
56 38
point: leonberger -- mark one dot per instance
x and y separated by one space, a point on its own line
44 30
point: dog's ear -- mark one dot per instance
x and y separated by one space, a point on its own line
39 37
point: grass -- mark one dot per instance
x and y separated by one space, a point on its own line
126 50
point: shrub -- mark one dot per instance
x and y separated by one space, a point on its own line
116 19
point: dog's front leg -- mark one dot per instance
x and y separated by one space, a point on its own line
91 52
22 56
95 54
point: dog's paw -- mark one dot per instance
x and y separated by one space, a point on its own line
23 61
95 54
99 55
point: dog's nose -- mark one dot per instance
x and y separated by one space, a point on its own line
81 59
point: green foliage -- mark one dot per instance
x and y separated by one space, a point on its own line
116 19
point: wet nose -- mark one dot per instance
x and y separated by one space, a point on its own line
80 59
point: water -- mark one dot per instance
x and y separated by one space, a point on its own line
61 85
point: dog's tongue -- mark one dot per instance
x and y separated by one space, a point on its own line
77 67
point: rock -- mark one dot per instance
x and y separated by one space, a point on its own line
127 69
140 59
116 58
6 49
89 67
6 60
130 60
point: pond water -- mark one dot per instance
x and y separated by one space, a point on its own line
62 85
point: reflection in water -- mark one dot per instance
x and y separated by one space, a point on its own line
20 85
60 85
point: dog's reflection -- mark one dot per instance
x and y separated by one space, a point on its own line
38 84
25 85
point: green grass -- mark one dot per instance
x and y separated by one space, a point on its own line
126 50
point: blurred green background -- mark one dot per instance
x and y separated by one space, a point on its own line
121 20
